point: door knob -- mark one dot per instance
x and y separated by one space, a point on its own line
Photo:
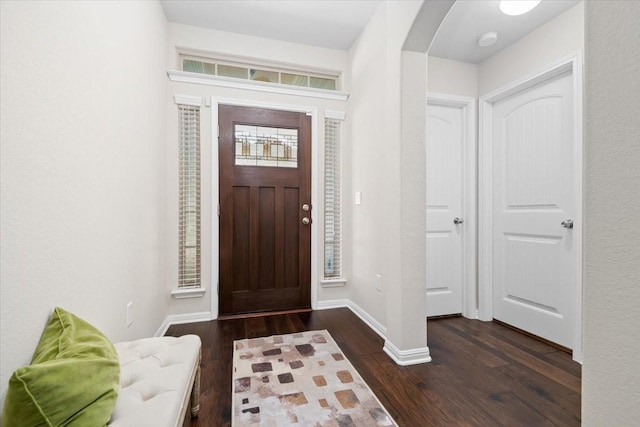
306 221
567 223
458 221
306 207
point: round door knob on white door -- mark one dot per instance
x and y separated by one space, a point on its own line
306 221
458 221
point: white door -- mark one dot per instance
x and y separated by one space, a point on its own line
444 204
533 169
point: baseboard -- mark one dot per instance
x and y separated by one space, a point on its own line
407 357
372 323
177 319
376 326
334 303
401 357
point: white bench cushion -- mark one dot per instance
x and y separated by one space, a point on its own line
156 378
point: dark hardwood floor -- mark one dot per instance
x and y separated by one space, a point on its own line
482 373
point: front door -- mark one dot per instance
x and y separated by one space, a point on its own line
533 194
265 203
445 224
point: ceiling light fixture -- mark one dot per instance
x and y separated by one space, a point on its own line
517 7
487 39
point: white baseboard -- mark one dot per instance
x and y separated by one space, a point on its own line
407 357
177 319
401 357
334 303
372 323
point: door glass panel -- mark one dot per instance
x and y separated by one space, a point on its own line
266 146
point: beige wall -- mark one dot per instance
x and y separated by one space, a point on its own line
83 112
387 168
554 40
452 77
611 369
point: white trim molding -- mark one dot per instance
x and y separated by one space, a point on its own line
335 115
570 64
189 293
195 101
414 356
178 319
469 196
333 283
255 86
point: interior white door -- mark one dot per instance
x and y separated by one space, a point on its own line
533 170
444 163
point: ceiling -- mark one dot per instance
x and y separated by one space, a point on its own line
458 35
333 24
337 24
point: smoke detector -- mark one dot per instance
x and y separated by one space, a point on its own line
487 39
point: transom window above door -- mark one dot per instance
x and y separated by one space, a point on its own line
265 146
259 73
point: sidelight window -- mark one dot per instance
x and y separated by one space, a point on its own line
332 200
189 197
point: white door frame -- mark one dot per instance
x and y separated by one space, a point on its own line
215 191
572 63
469 158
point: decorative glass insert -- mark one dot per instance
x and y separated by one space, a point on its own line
266 146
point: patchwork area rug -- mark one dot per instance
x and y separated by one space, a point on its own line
301 380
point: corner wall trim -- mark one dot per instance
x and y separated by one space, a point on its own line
177 319
407 357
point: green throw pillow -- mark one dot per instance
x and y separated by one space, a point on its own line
73 379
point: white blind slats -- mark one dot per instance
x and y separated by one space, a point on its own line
332 202
189 197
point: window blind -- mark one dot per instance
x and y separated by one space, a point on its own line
332 202
189 193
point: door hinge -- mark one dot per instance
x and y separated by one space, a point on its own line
218 131
218 209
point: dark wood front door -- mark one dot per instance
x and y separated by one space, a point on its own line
265 210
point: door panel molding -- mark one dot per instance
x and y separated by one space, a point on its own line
573 64
469 197
311 111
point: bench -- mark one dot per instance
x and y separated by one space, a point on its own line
158 376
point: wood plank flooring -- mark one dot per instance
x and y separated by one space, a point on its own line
482 373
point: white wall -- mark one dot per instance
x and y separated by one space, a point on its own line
611 369
252 49
82 132
552 41
452 77
388 227
374 171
